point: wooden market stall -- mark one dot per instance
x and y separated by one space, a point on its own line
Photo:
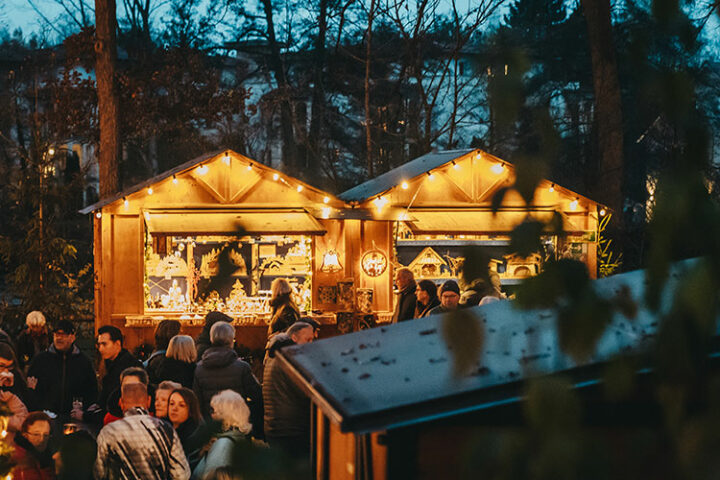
214 232
211 234
441 203
387 404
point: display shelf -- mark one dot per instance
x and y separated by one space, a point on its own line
453 243
503 281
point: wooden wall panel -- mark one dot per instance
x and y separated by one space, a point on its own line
377 235
127 265
342 454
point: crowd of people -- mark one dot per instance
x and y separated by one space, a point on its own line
178 415
424 298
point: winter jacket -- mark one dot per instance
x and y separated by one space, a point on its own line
202 342
31 464
140 447
30 345
405 306
283 314
62 377
152 362
109 383
172 369
220 453
287 408
221 369
439 310
17 408
422 311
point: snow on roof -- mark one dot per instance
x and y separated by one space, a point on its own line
400 374
409 170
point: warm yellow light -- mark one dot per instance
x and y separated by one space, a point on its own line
602 212
497 168
126 203
51 151
326 212
300 188
326 199
552 188
404 185
331 262
3 434
276 176
175 180
380 202
226 159
431 176
574 205
202 169
455 166
150 191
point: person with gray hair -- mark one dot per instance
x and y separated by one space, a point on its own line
221 369
34 339
232 412
406 301
139 446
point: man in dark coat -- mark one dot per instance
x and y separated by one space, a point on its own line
287 408
117 359
221 369
406 302
449 298
62 374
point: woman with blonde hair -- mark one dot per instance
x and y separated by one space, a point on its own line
228 408
284 310
178 364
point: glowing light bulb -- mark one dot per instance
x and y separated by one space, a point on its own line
431 176
404 185
3 434
126 203
202 169
497 168
150 191
249 167
98 215
326 200
574 205
380 202
51 151
552 188
300 188
175 180
326 212
226 159
602 212
455 166
276 176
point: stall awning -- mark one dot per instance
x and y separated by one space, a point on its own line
258 221
473 221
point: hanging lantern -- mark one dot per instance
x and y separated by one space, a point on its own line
374 263
331 262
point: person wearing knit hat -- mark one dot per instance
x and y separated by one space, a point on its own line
34 338
449 298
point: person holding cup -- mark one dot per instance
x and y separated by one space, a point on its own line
62 376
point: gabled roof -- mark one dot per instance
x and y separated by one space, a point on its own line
411 169
401 374
190 164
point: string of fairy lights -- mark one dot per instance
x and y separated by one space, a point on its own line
380 201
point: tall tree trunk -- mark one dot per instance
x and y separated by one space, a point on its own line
317 115
368 120
286 120
608 106
106 54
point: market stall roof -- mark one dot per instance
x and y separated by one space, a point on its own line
233 221
431 163
402 374
411 169
204 159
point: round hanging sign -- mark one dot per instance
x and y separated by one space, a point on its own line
374 263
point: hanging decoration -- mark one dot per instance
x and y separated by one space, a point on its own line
374 263
331 262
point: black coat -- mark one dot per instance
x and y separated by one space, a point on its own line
287 408
61 377
424 310
29 345
405 306
172 369
111 382
221 369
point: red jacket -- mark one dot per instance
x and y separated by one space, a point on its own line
28 465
